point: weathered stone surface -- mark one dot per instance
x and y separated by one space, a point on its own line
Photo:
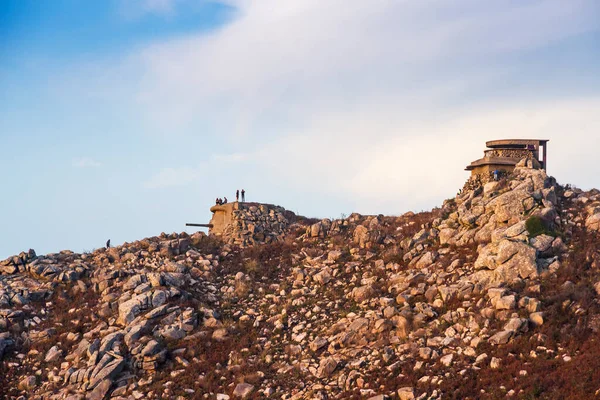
100 391
109 372
509 260
363 293
406 393
53 354
593 222
501 337
28 383
243 390
326 367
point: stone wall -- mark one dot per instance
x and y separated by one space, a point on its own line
517 154
245 224
485 173
480 177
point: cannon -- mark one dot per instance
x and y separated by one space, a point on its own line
200 225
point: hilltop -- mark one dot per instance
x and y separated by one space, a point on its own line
492 295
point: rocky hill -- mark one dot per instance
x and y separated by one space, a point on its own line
493 295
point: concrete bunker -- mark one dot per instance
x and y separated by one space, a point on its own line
503 155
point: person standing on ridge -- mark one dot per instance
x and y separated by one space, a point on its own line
108 243
243 195
237 195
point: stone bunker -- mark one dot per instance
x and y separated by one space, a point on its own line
503 155
249 223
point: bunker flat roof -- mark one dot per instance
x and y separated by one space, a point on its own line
511 142
492 161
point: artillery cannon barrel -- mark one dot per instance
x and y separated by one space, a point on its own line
201 225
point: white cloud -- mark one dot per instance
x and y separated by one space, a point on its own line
299 57
392 172
85 162
382 101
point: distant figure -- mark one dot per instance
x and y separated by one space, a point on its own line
225 201
237 195
496 174
243 195
217 200
108 244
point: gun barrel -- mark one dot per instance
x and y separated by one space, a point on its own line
200 225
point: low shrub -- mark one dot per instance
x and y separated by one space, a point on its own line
536 226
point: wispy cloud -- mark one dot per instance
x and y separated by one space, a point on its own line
382 102
230 158
171 177
85 162
139 8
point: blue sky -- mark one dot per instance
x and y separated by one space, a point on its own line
125 118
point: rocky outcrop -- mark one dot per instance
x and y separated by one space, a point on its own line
358 307
495 217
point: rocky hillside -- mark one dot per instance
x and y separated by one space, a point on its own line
493 295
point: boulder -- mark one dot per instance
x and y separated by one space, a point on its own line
509 260
243 390
326 367
27 383
536 318
531 163
593 222
363 293
53 354
501 337
505 302
100 391
406 393
110 372
542 243
361 235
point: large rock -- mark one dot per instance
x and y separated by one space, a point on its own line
110 372
27 383
100 391
509 260
510 207
361 235
363 293
542 243
501 337
326 367
243 390
531 163
593 222
53 354
406 393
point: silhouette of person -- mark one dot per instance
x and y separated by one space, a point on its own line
108 243
243 195
237 195
225 201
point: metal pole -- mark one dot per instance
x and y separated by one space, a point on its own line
545 156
